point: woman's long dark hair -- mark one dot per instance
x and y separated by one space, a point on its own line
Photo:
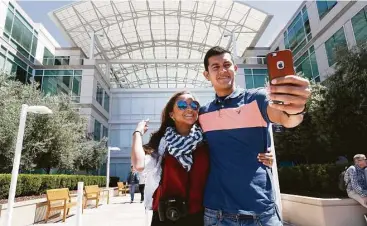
166 120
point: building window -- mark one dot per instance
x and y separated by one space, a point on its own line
261 59
2 61
48 57
105 132
13 65
298 32
60 81
99 95
359 23
106 102
76 85
324 6
335 43
255 78
22 34
307 65
97 130
61 60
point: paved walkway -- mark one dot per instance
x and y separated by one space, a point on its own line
118 212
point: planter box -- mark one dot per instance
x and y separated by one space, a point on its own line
27 212
309 211
34 211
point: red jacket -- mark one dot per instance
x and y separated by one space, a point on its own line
176 181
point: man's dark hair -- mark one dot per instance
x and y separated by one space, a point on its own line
214 51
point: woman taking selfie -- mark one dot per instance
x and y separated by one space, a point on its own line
176 161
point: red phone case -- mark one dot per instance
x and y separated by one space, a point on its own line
280 64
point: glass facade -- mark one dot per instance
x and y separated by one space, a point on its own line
324 6
103 98
20 34
359 23
106 102
12 64
307 65
298 32
50 59
47 57
2 61
60 81
105 132
100 131
255 77
335 42
97 130
99 95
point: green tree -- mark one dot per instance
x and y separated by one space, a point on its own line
12 95
91 155
336 122
50 141
53 141
302 143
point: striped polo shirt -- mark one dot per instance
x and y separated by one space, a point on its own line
236 128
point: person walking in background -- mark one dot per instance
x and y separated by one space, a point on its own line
142 177
133 181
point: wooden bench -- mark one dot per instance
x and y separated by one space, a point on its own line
122 188
91 192
59 199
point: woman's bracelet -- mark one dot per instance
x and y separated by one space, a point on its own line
136 131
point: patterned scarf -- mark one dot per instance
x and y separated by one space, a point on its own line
181 147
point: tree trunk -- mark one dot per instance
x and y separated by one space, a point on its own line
48 170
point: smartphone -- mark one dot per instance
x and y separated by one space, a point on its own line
280 64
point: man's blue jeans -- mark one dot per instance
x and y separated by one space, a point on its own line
132 189
219 218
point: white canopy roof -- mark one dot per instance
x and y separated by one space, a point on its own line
141 30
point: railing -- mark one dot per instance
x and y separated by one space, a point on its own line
59 60
254 60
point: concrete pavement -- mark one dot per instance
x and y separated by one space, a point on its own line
118 212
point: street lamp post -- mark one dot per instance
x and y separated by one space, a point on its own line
18 152
108 164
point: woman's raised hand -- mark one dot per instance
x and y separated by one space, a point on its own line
142 126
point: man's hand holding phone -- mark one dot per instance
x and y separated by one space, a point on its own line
288 93
292 90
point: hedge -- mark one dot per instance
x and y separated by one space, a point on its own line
312 180
318 180
36 184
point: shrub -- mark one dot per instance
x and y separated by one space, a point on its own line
36 184
319 180
113 181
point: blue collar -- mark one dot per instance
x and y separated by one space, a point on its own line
234 94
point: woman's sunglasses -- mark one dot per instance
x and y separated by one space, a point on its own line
183 105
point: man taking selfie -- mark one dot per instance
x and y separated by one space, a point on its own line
239 189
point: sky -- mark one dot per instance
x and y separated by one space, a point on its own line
281 10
